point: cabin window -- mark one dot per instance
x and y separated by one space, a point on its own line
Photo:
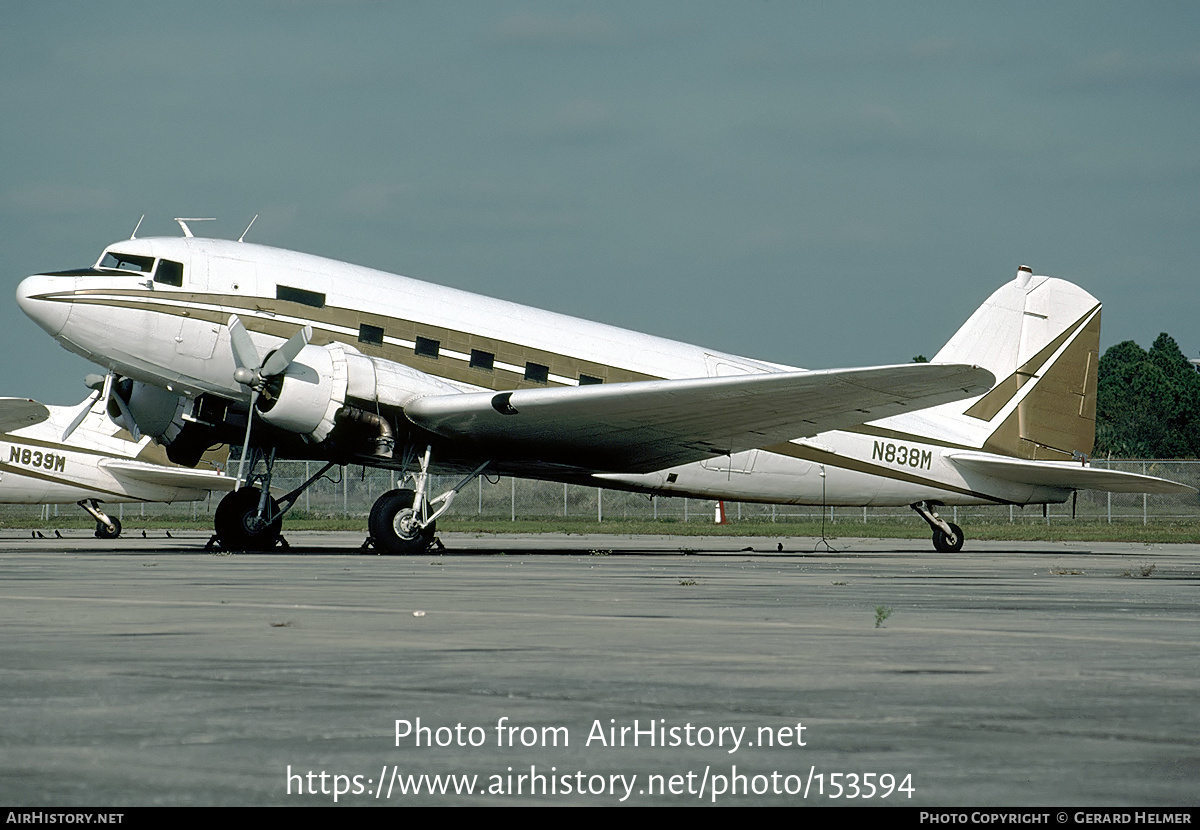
537 372
588 380
128 262
371 335
169 273
300 295
425 347
482 360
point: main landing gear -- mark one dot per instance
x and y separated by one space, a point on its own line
250 518
106 526
401 521
947 536
404 521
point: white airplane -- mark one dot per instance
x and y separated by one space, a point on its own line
77 454
293 355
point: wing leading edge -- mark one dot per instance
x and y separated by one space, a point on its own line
650 425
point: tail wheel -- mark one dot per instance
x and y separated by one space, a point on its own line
394 527
102 531
948 544
238 525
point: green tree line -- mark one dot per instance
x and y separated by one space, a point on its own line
1147 402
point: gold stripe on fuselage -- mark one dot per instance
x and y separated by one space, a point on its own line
832 459
334 323
5 467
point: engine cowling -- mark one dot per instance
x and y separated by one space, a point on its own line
153 409
305 399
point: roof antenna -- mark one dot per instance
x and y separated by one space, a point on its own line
248 227
183 220
135 229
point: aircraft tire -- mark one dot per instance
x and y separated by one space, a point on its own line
102 531
237 524
943 544
387 528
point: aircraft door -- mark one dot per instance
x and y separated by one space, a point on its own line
197 337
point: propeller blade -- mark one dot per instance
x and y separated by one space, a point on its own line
282 357
130 424
83 413
237 485
245 354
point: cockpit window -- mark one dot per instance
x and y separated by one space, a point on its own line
169 273
128 262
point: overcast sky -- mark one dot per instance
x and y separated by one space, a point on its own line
820 184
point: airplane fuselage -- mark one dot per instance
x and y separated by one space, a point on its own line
157 310
38 467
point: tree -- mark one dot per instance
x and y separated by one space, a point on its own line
1147 403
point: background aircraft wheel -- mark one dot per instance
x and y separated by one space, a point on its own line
392 525
238 526
948 544
102 531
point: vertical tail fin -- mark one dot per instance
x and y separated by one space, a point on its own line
1040 337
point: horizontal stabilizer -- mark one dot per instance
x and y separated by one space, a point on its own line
181 477
1066 475
650 425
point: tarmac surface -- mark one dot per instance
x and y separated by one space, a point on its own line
598 670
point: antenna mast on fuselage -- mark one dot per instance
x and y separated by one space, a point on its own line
183 220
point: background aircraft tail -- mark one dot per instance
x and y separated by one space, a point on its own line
1040 337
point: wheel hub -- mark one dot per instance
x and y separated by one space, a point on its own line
406 523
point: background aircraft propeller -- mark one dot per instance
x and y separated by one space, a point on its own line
104 386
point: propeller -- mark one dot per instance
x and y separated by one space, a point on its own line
103 386
100 385
254 373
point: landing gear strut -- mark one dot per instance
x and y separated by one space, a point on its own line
403 521
947 536
106 526
249 518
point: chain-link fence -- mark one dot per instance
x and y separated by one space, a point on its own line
350 492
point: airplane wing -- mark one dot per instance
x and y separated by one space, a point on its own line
17 413
181 477
1066 475
650 425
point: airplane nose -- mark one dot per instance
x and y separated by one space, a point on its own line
34 297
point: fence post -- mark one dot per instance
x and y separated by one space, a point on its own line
1144 497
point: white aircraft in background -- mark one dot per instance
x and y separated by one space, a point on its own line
296 356
77 454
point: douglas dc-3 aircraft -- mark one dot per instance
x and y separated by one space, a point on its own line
77 454
296 356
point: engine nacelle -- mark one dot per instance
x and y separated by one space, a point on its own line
153 409
307 396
